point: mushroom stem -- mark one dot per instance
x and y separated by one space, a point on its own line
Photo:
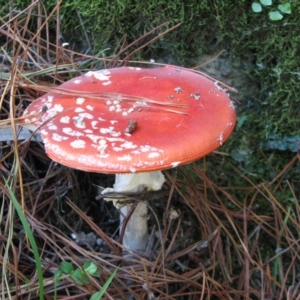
136 231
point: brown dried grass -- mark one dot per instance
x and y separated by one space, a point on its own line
208 240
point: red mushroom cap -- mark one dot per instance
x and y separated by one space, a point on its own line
133 120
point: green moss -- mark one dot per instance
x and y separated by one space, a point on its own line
110 23
272 48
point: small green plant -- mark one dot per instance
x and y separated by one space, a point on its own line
276 13
80 276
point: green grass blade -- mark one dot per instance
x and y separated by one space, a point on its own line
98 295
31 240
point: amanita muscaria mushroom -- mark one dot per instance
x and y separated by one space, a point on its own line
133 122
